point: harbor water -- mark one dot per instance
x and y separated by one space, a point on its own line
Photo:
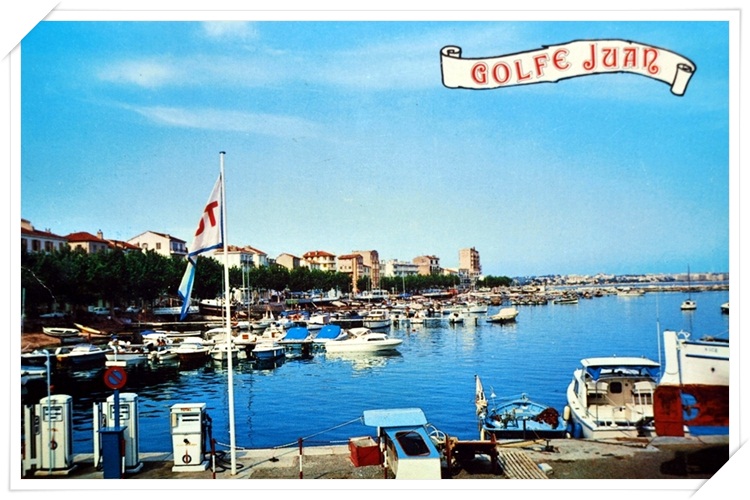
322 398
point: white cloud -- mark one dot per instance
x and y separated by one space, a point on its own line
143 73
229 120
230 30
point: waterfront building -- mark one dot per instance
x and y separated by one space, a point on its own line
354 265
427 264
289 261
242 257
371 260
161 243
319 259
33 240
87 242
468 258
398 269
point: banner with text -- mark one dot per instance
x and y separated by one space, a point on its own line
559 62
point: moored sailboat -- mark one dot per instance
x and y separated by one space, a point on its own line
689 304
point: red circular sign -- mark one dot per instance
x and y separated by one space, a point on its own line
115 377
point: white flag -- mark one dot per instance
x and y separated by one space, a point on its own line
207 237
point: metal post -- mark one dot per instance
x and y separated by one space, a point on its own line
300 457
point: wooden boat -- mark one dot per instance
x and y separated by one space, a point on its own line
91 333
61 333
517 418
568 298
693 392
612 397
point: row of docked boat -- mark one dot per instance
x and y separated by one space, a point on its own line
192 350
626 397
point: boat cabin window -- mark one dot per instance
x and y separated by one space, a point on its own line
615 387
412 443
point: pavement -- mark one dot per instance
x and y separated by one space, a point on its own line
656 458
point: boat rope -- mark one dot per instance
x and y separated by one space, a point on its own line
296 442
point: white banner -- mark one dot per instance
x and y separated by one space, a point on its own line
558 62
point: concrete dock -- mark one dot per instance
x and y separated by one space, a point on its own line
658 458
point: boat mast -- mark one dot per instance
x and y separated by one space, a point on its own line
228 318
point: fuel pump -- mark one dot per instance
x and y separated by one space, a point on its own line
48 436
189 422
104 416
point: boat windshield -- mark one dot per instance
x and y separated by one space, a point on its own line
412 443
597 372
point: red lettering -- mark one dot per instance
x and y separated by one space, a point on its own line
496 73
479 73
519 71
629 58
558 59
649 60
609 58
591 63
540 62
209 210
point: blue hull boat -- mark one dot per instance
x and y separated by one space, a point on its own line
518 418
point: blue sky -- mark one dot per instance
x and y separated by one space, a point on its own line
340 136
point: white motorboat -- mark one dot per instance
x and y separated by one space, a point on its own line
267 350
192 352
163 353
612 397
689 305
504 315
128 353
37 357
457 317
477 307
363 340
427 317
262 323
81 355
221 352
329 333
377 318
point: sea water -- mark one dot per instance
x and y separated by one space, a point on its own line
321 399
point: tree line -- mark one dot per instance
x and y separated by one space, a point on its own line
51 280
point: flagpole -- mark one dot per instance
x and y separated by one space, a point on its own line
228 316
